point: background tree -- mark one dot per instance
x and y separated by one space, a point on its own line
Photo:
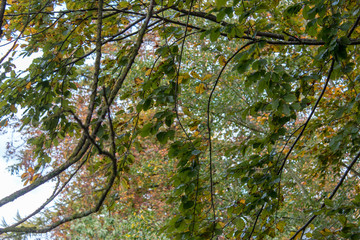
226 119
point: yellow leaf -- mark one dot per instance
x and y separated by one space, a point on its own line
26 182
298 236
34 178
124 21
200 89
186 111
207 76
125 183
222 60
123 4
309 235
242 201
325 232
183 77
193 128
147 73
280 226
194 75
28 86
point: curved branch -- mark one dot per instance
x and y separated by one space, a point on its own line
77 154
303 228
257 218
309 117
209 127
52 197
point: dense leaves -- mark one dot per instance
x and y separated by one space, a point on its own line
186 119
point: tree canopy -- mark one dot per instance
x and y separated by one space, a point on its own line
185 119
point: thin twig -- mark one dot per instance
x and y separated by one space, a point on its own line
257 218
112 131
79 152
303 228
55 193
353 27
209 128
309 117
19 36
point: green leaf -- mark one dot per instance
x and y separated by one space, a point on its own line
293 10
214 34
145 131
188 204
328 202
290 98
286 109
309 13
220 3
147 104
163 137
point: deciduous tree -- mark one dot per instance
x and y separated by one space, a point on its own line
244 115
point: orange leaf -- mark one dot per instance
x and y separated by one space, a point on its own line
138 81
200 89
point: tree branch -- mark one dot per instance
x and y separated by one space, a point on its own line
97 64
2 12
303 228
309 117
354 27
276 36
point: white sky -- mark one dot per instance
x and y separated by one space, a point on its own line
11 183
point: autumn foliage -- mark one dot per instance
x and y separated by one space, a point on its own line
185 119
